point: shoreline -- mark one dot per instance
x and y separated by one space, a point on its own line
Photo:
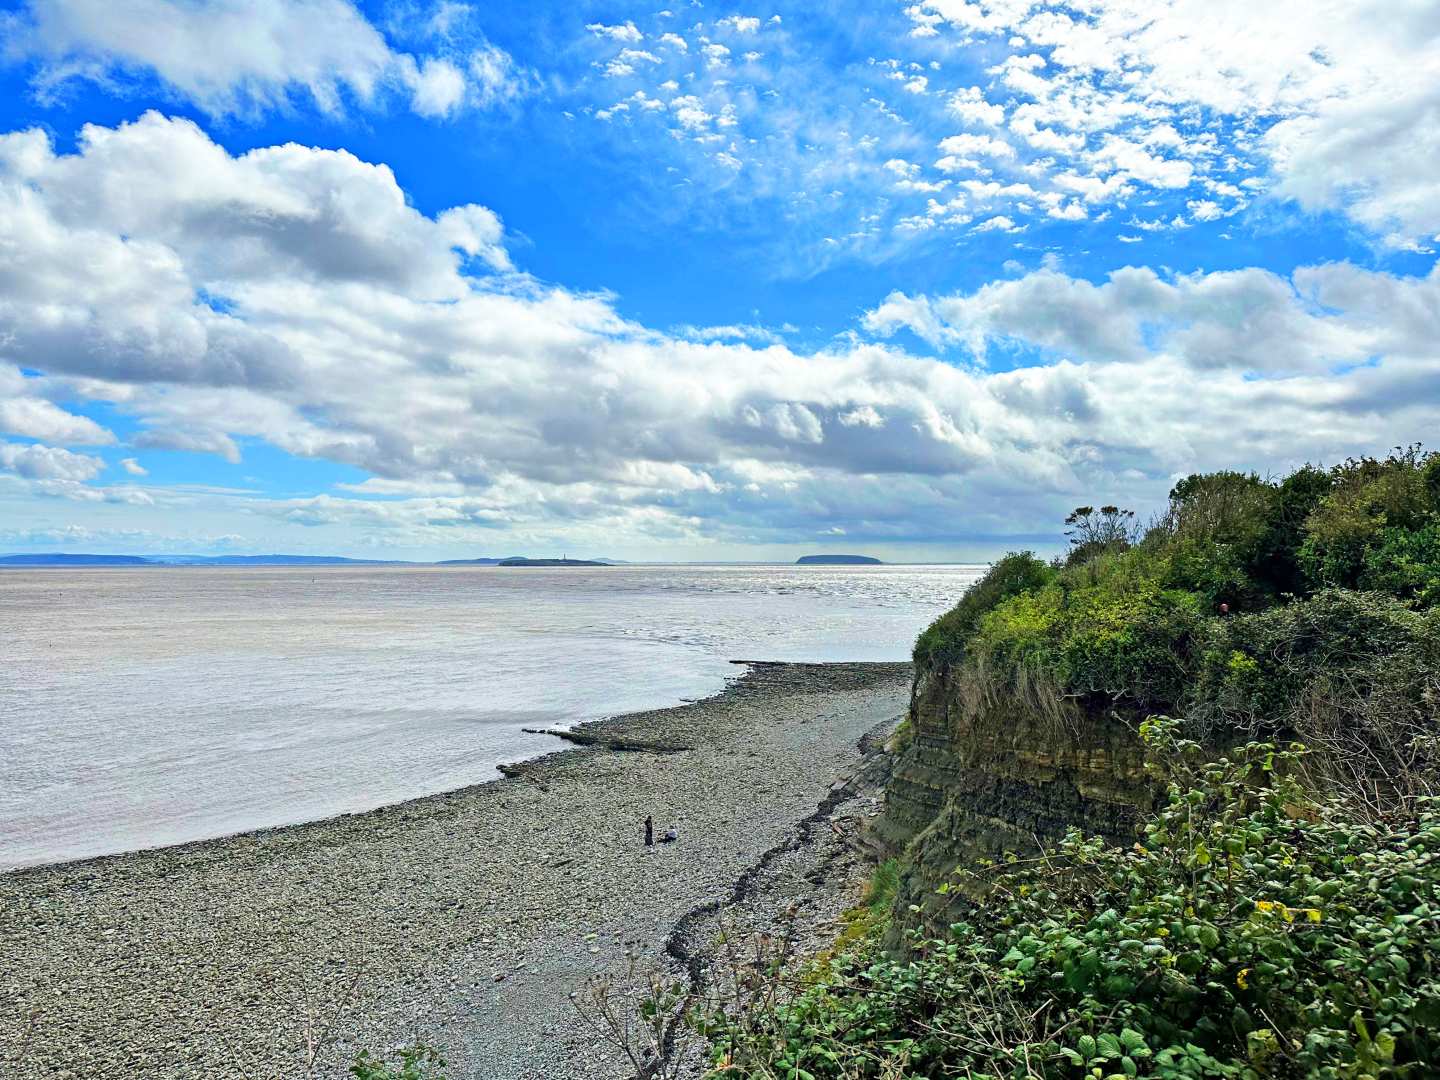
576 737
466 917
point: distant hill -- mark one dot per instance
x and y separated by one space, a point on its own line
265 560
55 558
837 560
549 562
67 559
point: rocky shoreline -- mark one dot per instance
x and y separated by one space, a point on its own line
465 919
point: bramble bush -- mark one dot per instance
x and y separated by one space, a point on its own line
1355 675
1256 670
1253 932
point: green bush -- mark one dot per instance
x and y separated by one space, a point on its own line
1369 497
1275 565
1109 627
1216 573
1209 539
1271 670
1404 563
1356 675
1251 933
943 641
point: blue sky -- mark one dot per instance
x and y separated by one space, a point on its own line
717 281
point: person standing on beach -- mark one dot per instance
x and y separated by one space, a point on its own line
649 831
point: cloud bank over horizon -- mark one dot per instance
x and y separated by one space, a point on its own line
368 369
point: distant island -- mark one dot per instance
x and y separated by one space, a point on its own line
838 560
549 562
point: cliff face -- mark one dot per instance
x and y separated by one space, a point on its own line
975 782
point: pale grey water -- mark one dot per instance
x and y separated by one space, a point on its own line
144 707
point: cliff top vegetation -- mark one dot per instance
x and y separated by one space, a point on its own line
1307 606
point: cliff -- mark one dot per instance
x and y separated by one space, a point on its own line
974 782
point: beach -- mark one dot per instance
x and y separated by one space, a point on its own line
464 919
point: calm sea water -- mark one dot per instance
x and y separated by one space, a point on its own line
143 707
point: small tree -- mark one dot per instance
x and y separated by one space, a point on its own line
1092 532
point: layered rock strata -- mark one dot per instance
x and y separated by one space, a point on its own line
972 782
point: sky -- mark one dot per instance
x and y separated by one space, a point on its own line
712 281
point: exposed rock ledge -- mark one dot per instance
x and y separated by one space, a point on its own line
979 782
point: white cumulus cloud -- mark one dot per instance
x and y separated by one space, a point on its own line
231 57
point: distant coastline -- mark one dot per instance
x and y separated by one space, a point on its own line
79 559
86 559
89 560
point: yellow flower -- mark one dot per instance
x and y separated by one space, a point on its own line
1240 979
1288 914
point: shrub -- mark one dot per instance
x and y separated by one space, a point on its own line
1252 932
1221 506
1257 669
1216 573
1275 565
943 641
1356 674
1404 563
1369 496
1211 535
1106 628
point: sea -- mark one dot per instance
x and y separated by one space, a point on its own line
148 706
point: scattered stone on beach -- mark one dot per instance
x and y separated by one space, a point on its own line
466 919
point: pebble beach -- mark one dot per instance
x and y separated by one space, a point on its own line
465 920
